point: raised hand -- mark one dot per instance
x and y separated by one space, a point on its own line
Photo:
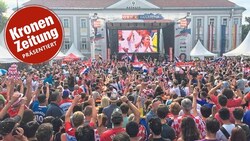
76 99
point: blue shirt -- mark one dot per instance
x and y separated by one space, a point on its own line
246 118
108 112
150 115
39 111
54 110
49 80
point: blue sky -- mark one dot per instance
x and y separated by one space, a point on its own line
245 3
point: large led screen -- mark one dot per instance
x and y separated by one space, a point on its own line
137 41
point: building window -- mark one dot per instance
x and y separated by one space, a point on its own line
211 21
66 23
224 21
212 35
66 43
199 29
83 43
83 23
199 22
236 21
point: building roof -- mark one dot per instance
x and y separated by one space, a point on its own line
192 3
73 3
100 4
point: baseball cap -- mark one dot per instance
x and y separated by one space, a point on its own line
186 104
65 94
8 124
116 116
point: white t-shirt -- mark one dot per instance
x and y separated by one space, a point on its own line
220 136
176 91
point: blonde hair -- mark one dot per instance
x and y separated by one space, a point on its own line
77 118
104 102
175 108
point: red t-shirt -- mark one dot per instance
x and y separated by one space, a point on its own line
65 101
14 111
231 116
247 97
71 131
109 134
236 102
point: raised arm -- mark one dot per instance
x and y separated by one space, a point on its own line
47 90
29 89
70 110
133 108
194 105
94 111
22 107
212 91
14 97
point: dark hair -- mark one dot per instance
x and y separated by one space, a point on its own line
228 93
28 116
189 129
44 132
203 94
224 114
124 108
121 137
212 125
57 123
205 111
41 98
238 113
85 133
87 111
30 129
132 128
131 98
238 134
77 108
162 111
54 96
222 99
48 119
155 126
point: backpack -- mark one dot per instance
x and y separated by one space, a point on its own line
183 93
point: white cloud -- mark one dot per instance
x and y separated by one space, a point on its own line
243 3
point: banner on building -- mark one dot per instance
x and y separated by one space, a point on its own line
211 37
223 40
183 40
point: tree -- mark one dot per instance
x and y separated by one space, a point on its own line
3 19
245 28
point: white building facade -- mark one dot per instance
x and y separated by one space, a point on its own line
216 23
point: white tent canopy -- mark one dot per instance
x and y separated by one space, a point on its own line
59 56
74 51
242 49
5 56
200 51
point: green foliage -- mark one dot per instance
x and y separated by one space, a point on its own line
3 19
245 28
2 23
